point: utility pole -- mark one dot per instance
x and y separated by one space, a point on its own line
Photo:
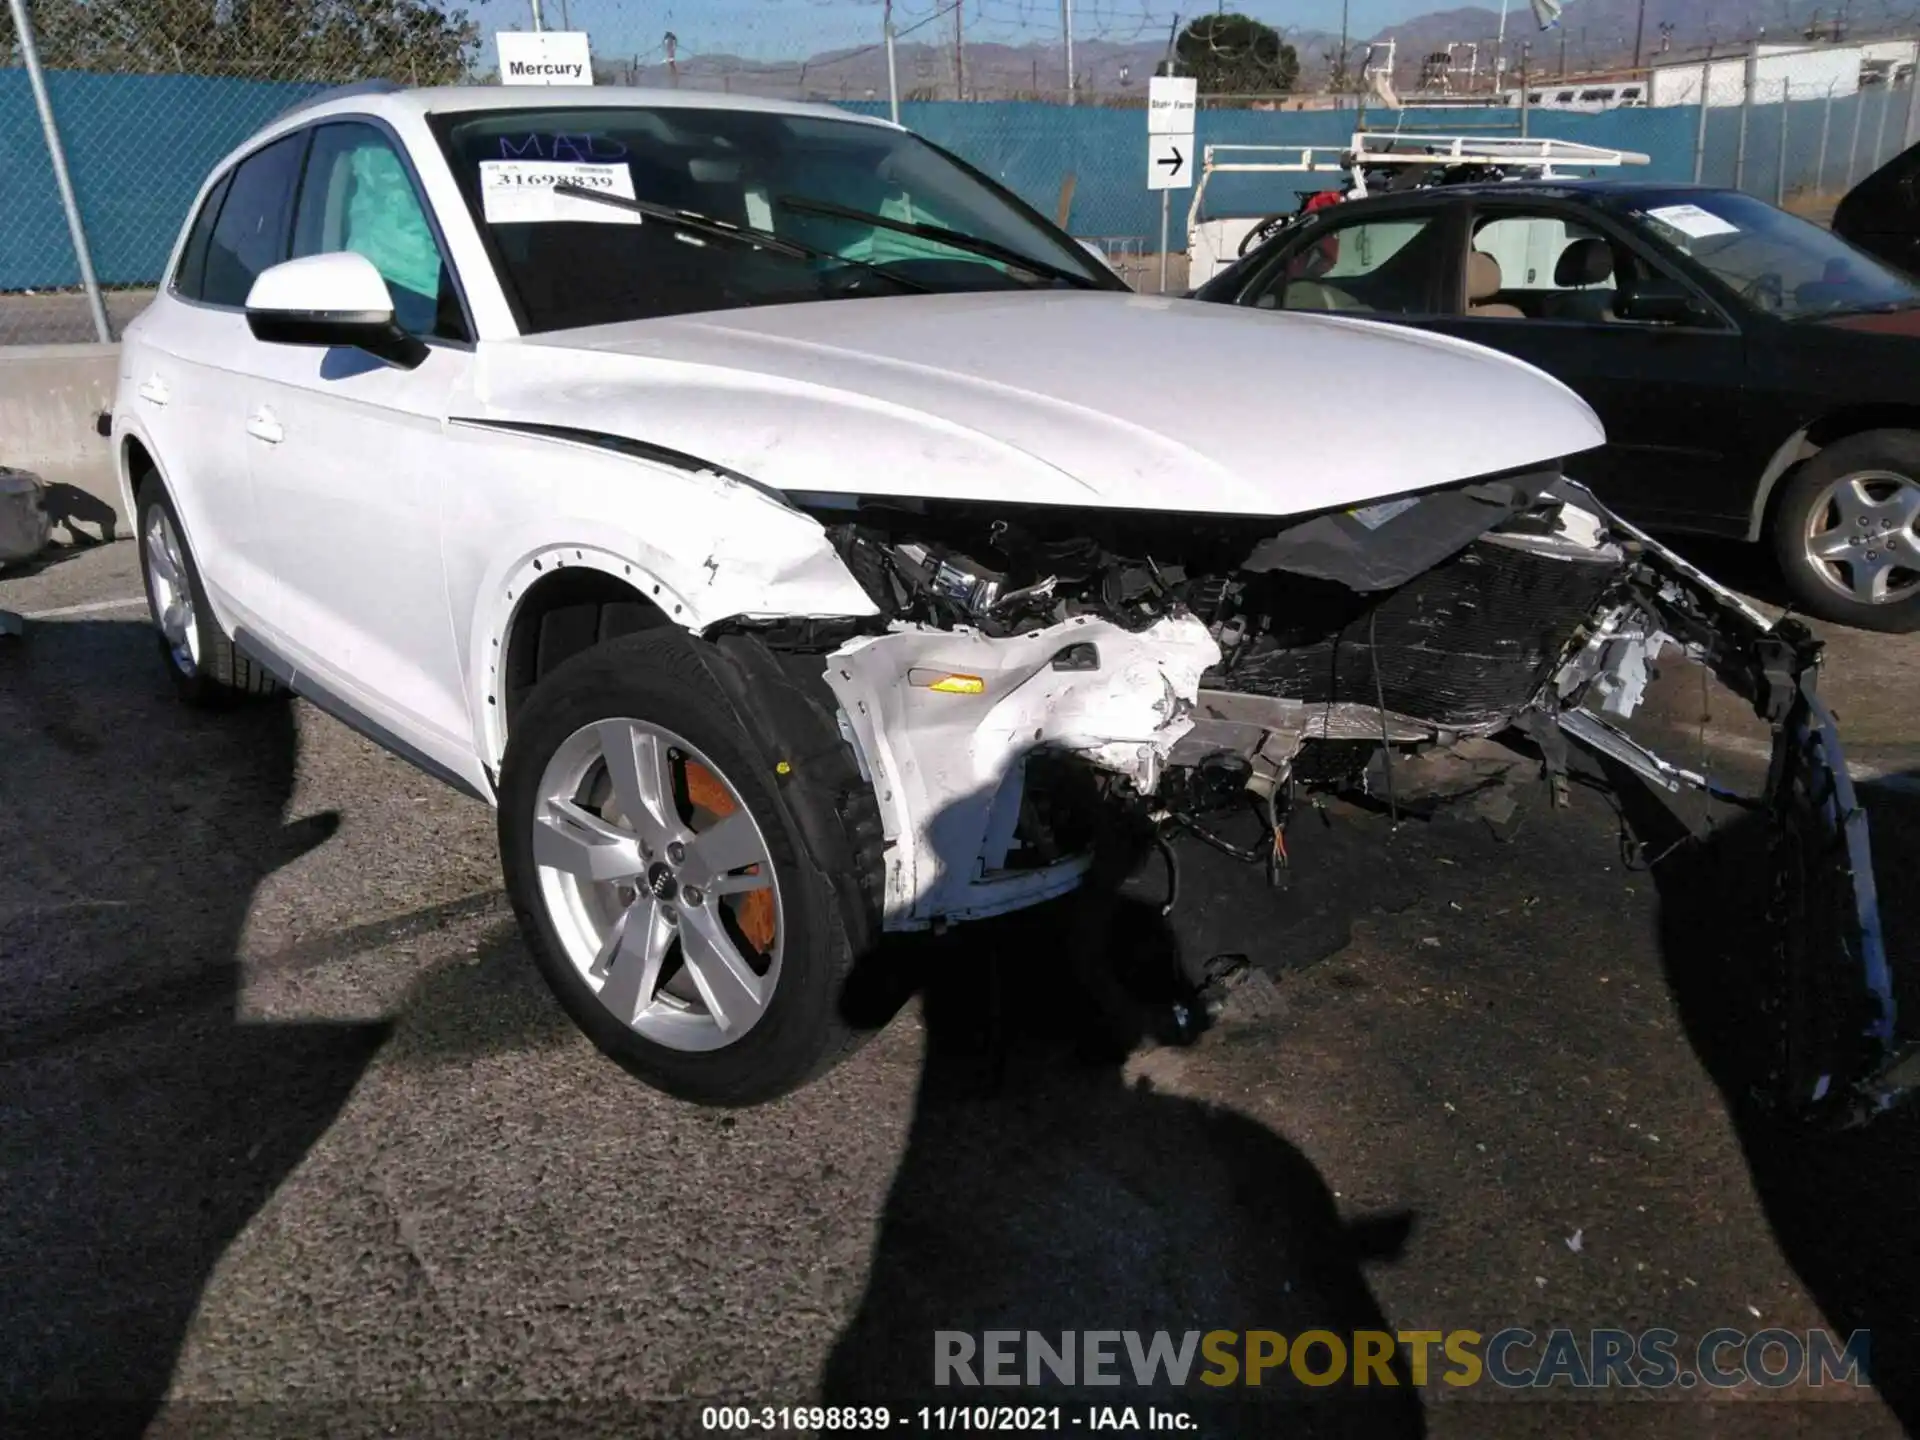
1066 28
538 24
1500 51
1640 35
893 69
1340 68
959 54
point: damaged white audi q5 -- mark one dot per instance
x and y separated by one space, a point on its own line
799 539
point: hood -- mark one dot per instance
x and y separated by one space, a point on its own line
1054 398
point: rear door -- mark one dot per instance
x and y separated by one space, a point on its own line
1674 397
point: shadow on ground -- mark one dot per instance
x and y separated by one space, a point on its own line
1842 1203
1041 1189
145 1123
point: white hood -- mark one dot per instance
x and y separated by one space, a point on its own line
1049 397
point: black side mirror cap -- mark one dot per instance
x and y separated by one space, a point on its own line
373 331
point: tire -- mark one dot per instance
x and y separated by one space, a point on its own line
616 910
1872 478
206 668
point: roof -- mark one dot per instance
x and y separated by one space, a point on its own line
452 99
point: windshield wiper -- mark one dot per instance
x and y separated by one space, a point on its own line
726 230
940 234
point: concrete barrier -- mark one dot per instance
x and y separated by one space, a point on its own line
50 398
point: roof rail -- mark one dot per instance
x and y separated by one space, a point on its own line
342 92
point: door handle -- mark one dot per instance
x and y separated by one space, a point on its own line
263 425
154 391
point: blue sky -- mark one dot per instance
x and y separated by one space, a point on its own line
769 29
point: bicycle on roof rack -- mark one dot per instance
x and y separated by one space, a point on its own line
1372 163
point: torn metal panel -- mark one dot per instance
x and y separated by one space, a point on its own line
943 721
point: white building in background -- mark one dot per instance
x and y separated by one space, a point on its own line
1806 73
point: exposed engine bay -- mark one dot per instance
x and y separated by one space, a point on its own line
1061 662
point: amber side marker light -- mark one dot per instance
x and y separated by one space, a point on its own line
946 683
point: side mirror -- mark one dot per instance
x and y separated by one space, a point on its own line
1660 301
329 300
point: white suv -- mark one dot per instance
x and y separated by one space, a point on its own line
798 538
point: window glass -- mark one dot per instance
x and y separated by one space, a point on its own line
251 233
1375 266
357 196
1777 262
188 278
569 262
1552 267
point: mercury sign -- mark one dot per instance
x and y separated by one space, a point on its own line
545 57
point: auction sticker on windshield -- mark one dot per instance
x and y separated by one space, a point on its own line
520 192
1693 221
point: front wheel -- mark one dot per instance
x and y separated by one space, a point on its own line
1845 533
661 878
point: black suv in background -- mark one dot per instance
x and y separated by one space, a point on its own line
1882 213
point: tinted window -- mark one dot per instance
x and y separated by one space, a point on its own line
571 262
1377 266
251 234
193 256
358 196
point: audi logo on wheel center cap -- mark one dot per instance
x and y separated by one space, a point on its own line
661 884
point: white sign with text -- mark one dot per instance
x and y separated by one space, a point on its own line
1172 102
545 57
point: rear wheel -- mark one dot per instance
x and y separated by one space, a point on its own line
1845 532
205 667
661 878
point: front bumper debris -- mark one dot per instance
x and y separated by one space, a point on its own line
942 721
1837 1056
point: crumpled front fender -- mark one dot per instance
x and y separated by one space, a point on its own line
947 760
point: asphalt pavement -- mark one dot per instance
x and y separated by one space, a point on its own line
289 1123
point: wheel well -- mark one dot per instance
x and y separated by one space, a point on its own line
562 615
1855 420
139 463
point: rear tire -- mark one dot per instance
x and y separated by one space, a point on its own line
680 962
205 667
1846 517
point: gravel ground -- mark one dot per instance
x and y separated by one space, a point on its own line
289 1120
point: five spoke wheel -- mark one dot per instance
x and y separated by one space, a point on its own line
659 883
1860 537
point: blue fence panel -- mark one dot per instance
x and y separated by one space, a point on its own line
138 147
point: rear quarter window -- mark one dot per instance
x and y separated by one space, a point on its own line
193 256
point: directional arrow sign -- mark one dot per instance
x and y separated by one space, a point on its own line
1170 162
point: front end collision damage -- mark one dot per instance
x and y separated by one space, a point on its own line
944 722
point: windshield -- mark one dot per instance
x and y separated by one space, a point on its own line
1778 262
567 262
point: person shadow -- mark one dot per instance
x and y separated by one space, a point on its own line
146 1120
1840 1200
1049 1184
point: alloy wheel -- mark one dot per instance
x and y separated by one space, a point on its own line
170 592
1860 537
659 884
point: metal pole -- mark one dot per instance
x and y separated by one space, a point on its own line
537 22
1780 170
893 70
1826 135
1700 140
1746 119
1913 105
959 54
1166 234
56 152
1859 118
1640 36
1880 137
1500 57
1525 109
1066 27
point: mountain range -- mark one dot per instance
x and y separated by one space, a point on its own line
1594 34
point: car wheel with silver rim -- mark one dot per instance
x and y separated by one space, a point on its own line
1846 532
663 880
205 667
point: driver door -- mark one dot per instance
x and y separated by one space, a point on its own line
1674 397
348 463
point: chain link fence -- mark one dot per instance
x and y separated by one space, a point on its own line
148 94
